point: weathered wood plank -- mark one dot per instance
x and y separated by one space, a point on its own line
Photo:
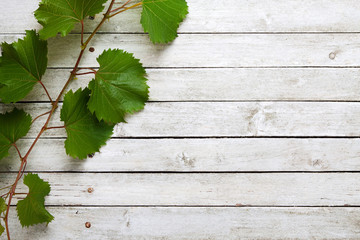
203 50
195 223
258 189
243 57
196 155
231 84
219 16
189 119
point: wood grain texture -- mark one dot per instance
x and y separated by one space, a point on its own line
200 189
230 119
200 50
207 84
196 223
219 16
231 84
183 155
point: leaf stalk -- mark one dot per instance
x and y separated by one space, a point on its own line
125 9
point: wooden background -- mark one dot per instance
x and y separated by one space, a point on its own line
252 129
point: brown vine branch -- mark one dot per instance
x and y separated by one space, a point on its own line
122 6
86 68
40 116
55 127
125 9
4 196
54 107
17 149
22 173
47 93
10 194
5 187
82 32
77 74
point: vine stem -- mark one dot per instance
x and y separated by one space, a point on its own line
40 116
54 107
55 127
5 187
127 8
122 6
82 32
47 93
85 73
87 68
5 194
17 149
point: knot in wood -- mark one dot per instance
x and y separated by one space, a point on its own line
332 55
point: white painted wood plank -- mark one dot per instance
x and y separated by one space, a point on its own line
189 119
230 189
219 16
219 50
196 155
231 84
195 223
217 119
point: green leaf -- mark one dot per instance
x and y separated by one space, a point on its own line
3 208
22 65
31 210
161 18
119 86
61 15
86 134
3 205
2 229
14 125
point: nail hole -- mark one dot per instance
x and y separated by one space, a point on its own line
332 56
90 190
91 17
88 225
91 49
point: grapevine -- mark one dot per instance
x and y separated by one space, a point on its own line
118 87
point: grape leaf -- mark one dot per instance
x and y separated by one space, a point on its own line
22 65
86 134
119 86
14 125
3 208
61 15
31 210
2 229
161 18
